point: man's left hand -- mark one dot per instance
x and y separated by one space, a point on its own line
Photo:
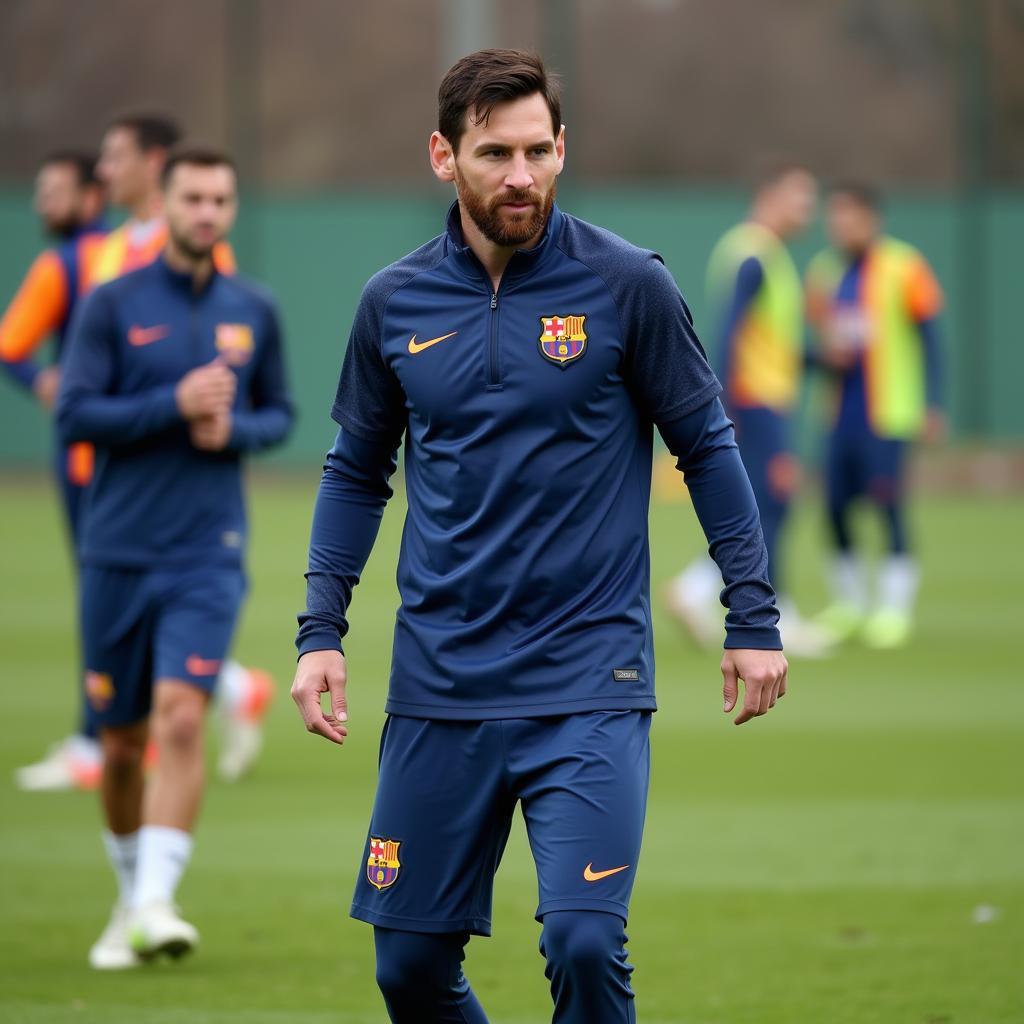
211 433
764 681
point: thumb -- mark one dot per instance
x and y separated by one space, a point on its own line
339 704
730 685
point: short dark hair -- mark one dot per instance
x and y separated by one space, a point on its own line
770 170
151 131
867 196
83 161
488 77
195 156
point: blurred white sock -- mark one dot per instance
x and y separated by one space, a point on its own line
850 580
163 856
700 581
231 692
898 579
122 850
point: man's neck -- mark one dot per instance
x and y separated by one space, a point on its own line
199 268
495 258
148 207
767 221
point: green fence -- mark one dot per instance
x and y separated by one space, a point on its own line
316 253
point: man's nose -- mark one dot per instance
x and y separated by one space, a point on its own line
519 176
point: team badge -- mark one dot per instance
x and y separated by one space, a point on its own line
562 338
99 688
383 865
234 343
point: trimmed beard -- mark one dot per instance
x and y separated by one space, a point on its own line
495 226
197 254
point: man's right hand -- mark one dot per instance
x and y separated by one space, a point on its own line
206 391
46 386
320 672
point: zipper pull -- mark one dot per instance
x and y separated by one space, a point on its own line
494 300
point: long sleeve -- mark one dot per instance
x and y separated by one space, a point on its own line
749 279
706 453
269 415
933 376
87 407
350 503
23 372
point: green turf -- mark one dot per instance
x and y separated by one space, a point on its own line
820 865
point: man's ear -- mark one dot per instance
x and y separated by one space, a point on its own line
442 157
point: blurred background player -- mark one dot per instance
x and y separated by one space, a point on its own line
132 157
69 200
174 371
874 302
756 303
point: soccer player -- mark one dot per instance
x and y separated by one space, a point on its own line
69 199
524 356
132 157
174 372
757 303
133 153
874 302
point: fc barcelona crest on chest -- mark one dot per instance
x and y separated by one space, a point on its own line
235 343
383 865
562 338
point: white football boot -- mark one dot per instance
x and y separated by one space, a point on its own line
74 763
243 698
156 929
112 951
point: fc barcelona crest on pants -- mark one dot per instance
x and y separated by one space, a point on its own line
382 866
562 338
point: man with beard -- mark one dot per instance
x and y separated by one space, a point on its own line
69 198
524 356
173 372
132 157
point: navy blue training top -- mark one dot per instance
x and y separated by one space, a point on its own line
527 417
156 500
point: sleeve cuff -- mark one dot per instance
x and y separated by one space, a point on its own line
323 640
753 638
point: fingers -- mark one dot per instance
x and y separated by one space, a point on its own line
316 721
752 693
325 674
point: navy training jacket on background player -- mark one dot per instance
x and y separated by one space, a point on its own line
527 416
156 501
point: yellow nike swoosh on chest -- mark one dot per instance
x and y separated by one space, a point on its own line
415 348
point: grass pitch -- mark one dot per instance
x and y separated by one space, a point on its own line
855 857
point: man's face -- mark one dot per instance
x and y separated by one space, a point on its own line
505 170
59 198
127 170
200 205
796 194
852 226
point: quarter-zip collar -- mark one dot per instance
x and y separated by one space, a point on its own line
523 263
185 282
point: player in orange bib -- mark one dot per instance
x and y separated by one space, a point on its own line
69 200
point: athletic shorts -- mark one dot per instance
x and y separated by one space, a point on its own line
861 464
141 626
763 436
446 793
